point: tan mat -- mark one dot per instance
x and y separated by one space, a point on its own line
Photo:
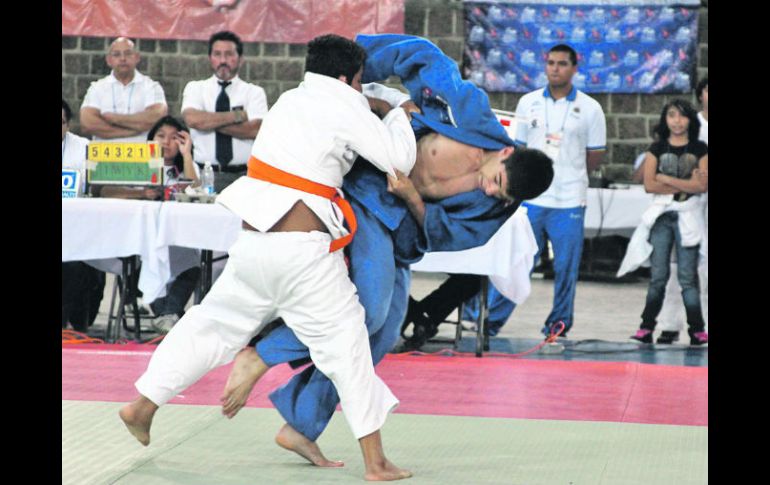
196 445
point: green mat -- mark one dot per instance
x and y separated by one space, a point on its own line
196 445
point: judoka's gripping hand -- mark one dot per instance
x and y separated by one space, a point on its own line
410 107
379 106
403 188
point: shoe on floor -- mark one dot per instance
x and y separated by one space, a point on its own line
549 328
699 338
164 323
643 335
667 337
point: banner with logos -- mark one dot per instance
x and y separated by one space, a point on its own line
630 46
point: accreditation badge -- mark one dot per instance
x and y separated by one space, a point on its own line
553 145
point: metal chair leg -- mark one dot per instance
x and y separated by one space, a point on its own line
110 315
459 329
481 325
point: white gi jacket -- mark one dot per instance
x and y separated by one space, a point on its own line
316 131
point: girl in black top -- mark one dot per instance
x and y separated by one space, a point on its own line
676 163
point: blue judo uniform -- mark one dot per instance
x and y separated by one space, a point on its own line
388 237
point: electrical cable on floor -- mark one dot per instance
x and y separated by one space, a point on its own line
553 335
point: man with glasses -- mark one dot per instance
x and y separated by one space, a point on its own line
124 105
224 112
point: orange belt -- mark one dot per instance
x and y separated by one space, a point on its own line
260 170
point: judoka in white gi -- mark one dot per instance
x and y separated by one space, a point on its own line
281 264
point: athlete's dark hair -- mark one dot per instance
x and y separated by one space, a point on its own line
334 56
530 173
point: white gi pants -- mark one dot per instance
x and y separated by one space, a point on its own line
269 275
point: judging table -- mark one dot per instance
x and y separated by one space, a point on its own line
101 228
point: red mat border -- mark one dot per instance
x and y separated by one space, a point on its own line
443 385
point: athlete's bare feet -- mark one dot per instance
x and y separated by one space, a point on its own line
379 468
293 440
385 471
247 370
137 416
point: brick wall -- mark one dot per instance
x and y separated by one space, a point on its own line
279 67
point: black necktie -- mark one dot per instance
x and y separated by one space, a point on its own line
224 143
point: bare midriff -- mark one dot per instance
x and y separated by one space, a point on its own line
445 167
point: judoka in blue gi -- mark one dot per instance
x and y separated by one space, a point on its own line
389 238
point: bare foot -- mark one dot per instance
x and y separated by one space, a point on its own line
137 416
385 472
247 370
379 468
292 440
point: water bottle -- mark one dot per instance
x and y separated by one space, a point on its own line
207 179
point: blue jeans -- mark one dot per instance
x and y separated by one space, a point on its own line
664 236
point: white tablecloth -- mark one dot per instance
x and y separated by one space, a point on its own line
615 211
98 229
110 228
507 258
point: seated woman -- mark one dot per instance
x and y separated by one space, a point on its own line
676 170
177 148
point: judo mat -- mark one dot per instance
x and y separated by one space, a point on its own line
461 420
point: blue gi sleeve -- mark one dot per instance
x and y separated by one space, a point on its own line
450 105
456 223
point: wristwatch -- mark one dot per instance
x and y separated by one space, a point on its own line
240 114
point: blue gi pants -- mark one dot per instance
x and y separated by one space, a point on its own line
564 228
307 402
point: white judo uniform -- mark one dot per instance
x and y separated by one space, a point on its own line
315 131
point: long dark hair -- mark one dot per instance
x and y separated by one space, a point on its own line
180 126
662 132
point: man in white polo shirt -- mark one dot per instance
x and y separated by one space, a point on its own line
570 128
224 112
124 105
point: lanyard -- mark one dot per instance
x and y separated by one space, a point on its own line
130 94
563 121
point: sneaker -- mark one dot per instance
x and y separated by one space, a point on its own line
421 334
643 335
164 323
699 338
667 337
548 328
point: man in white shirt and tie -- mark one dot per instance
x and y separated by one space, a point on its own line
124 105
224 112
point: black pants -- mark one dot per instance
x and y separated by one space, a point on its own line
437 306
177 293
82 288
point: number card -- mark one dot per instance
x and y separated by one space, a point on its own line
70 182
120 163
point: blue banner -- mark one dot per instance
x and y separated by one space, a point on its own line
623 47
